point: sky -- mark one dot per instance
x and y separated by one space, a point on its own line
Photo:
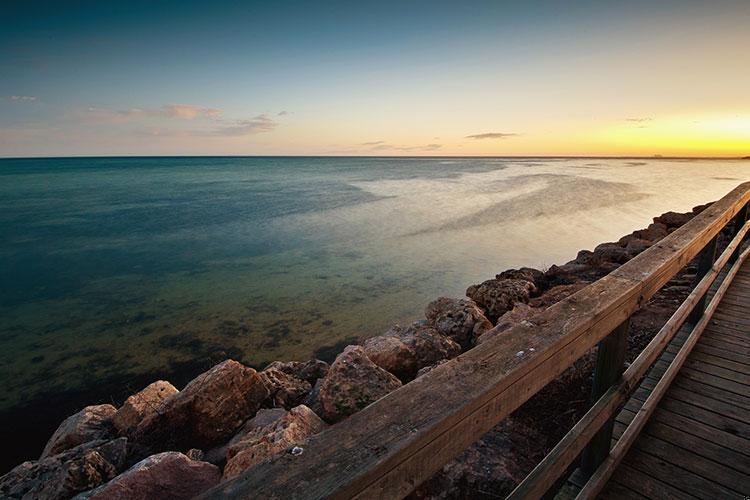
375 78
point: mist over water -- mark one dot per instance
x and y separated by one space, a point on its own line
128 269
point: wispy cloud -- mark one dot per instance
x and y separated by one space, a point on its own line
282 113
189 111
371 143
256 125
383 146
174 111
639 120
21 98
492 135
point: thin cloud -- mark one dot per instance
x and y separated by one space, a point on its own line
189 111
172 111
382 146
22 98
373 143
256 125
639 120
492 135
282 113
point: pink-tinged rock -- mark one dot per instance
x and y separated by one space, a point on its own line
525 273
519 314
140 405
673 219
403 352
285 391
166 476
89 424
264 417
63 475
610 252
310 371
498 296
460 319
352 383
264 442
207 412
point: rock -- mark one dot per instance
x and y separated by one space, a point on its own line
91 423
556 294
610 252
636 246
673 219
403 352
584 257
140 405
264 417
701 208
500 295
460 319
285 390
525 273
207 412
166 476
195 454
264 442
352 383
653 233
520 313
63 475
312 400
310 371
428 369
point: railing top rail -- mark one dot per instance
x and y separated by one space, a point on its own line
390 447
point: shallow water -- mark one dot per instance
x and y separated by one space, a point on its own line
115 271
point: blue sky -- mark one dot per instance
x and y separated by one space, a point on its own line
369 78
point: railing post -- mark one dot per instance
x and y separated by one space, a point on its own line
705 261
610 363
739 221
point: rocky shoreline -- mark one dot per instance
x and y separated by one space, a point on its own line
169 443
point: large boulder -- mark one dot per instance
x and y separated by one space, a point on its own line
403 352
264 417
264 442
166 476
207 412
525 273
497 296
352 383
140 405
610 252
460 319
63 475
310 371
285 390
556 294
673 219
91 423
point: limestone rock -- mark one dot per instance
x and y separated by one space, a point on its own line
403 352
352 383
166 476
264 442
286 391
460 319
500 295
140 405
207 412
91 423
63 475
310 371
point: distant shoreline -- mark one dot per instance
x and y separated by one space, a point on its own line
511 157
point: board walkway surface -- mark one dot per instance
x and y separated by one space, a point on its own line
697 442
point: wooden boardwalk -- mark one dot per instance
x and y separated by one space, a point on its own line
697 442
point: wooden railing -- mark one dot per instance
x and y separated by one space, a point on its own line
393 445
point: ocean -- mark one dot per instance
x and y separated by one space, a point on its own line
116 272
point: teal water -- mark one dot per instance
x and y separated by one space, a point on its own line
118 271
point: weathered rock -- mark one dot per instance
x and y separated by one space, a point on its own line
312 400
207 412
403 352
654 232
63 475
286 391
460 319
91 423
520 313
264 417
673 219
428 369
500 295
556 294
310 371
140 405
636 246
610 252
264 442
195 454
525 273
166 476
352 383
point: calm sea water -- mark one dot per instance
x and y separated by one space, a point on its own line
116 271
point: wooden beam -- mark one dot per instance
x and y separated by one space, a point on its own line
390 447
599 479
705 261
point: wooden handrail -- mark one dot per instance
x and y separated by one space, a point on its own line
564 453
390 447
